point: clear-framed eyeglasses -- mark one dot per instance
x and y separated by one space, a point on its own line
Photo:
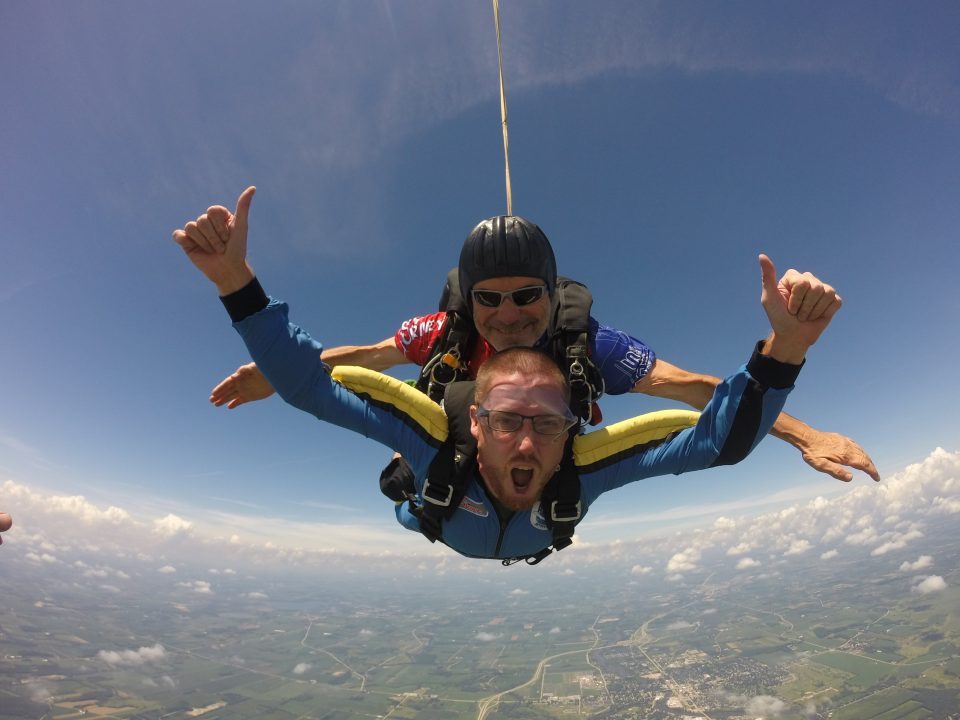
552 426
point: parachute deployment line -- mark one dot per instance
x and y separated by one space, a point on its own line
503 110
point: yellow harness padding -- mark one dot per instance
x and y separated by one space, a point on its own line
593 447
383 389
608 442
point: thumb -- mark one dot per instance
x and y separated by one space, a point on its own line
243 208
768 275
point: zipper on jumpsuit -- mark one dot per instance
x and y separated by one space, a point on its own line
504 521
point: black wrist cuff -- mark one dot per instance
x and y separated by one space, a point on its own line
772 373
247 301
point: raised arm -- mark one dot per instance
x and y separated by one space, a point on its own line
826 452
216 243
208 235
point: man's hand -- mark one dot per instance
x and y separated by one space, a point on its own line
799 308
216 242
6 522
828 452
247 384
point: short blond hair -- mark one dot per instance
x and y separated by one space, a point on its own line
524 361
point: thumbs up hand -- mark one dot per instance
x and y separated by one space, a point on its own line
216 243
799 307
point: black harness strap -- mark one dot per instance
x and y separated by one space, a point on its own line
449 354
449 473
570 347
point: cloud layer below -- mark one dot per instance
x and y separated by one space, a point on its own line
109 544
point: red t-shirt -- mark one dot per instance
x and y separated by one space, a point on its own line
416 336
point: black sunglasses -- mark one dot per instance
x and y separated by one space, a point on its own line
521 296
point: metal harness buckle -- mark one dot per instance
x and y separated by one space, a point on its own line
435 500
563 516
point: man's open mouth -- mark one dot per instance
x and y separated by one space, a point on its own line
521 477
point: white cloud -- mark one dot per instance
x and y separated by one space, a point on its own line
946 505
171 526
924 561
684 561
933 583
165 680
554 631
518 592
198 586
765 706
798 547
38 691
301 668
116 658
76 506
105 572
746 563
866 536
898 542
902 505
487 637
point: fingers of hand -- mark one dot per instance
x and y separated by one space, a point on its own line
807 309
184 241
840 473
223 392
809 298
204 234
865 464
829 467
833 451
200 240
834 306
794 286
220 218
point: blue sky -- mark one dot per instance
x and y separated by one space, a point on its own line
661 146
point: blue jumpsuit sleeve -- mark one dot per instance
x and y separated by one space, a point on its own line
290 359
622 359
738 416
